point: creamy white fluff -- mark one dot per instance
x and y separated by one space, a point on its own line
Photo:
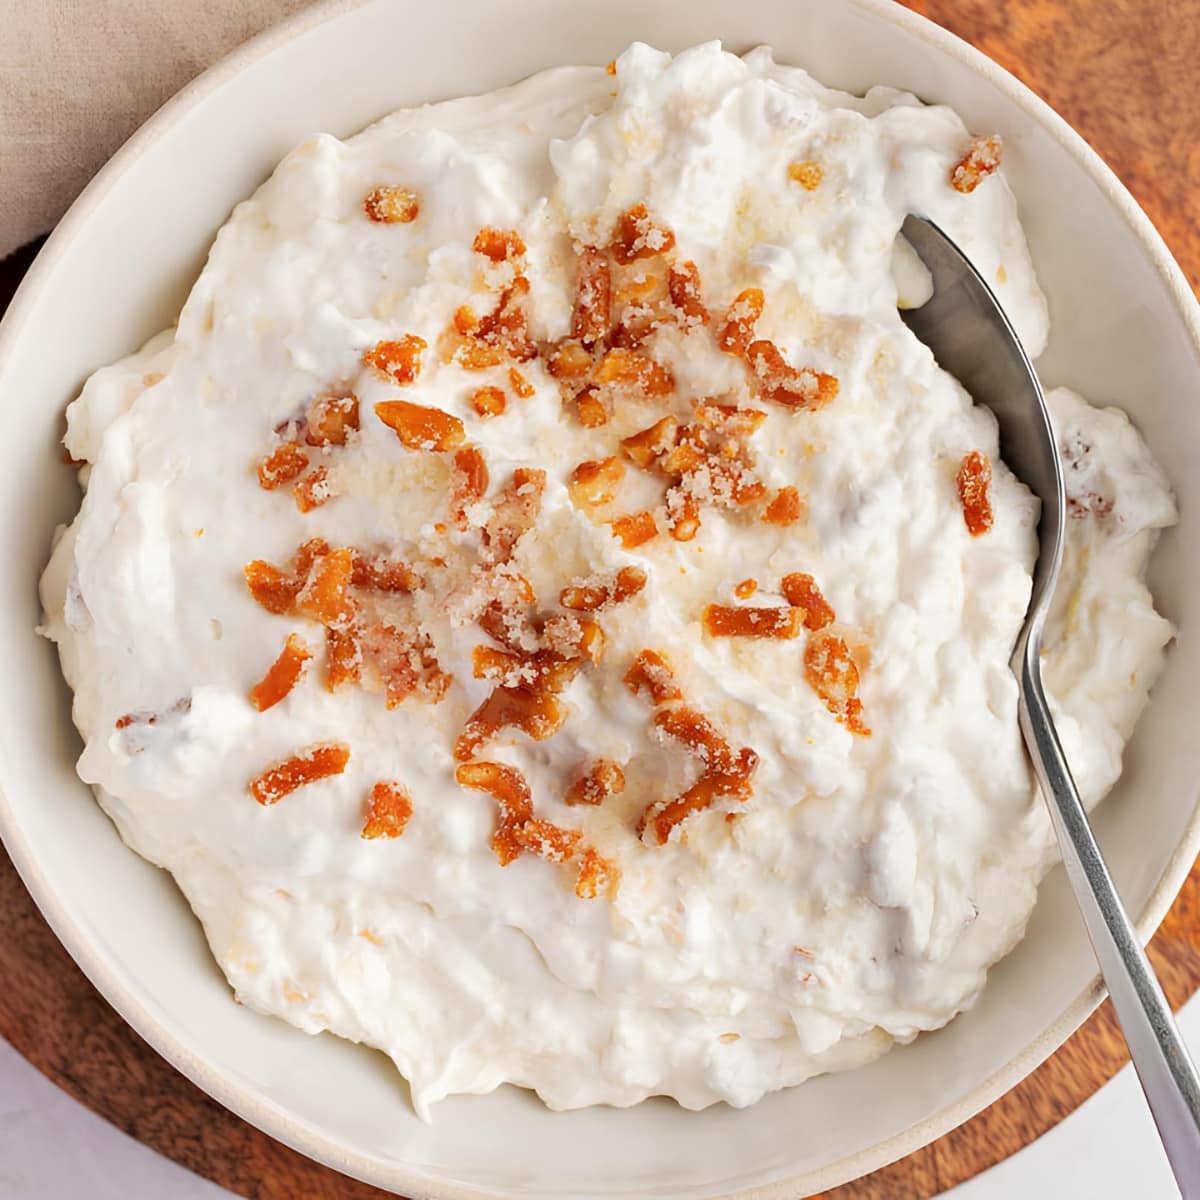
871 881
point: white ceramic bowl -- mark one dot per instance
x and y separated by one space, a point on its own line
1125 329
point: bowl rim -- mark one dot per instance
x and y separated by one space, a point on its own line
307 1138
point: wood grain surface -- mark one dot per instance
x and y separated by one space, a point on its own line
1123 72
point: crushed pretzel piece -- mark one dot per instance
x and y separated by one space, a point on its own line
469 483
683 514
390 204
627 368
473 355
378 573
745 589
590 408
332 417
421 428
507 786
646 447
398 360
571 636
729 419
343 656
792 387
808 174
317 762
610 67
832 673
521 386
594 483
281 466
313 490
635 529
389 808
591 596
638 236
786 508
981 160
517 829
535 712
638 293
506 328
514 512
517 668
596 876
683 287
736 333
488 401
283 674
591 318
547 840
602 779
651 675
974 480
325 596
306 556
500 245
274 589
406 663
695 731
721 620
713 785
801 592
569 359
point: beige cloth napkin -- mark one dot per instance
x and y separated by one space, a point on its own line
77 77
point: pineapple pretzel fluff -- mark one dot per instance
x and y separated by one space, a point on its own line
552 618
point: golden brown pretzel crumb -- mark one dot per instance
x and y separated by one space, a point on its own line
488 401
398 360
833 675
389 808
313 490
421 428
635 529
500 245
390 204
651 675
637 235
792 387
602 593
317 762
283 674
801 591
736 332
721 620
785 509
981 160
593 484
331 418
974 482
281 466
602 779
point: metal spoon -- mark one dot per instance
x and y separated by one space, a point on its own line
965 327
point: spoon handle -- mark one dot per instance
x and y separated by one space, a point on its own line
1159 1056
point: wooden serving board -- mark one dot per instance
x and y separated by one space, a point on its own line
1123 73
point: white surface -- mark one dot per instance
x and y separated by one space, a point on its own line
52 1148
1133 331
